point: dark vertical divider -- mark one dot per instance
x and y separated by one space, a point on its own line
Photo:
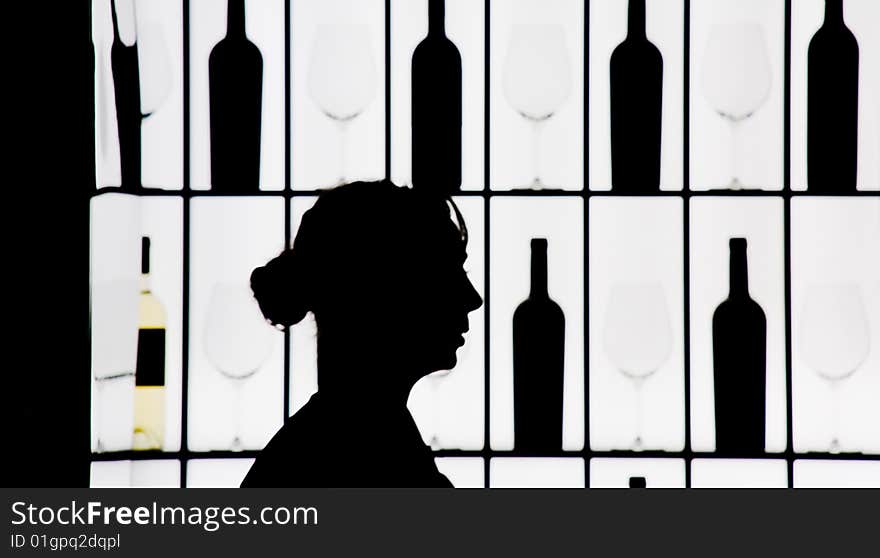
686 191
786 166
82 149
586 205
487 454
89 171
184 379
287 190
388 89
686 100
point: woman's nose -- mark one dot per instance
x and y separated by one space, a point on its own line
473 298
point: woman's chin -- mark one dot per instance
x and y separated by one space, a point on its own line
444 366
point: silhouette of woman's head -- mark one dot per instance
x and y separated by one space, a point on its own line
381 269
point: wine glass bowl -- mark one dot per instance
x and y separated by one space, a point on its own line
637 336
736 75
537 78
237 339
736 78
114 333
342 76
834 338
537 70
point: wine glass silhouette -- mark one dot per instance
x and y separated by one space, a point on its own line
537 79
156 68
736 79
114 329
638 337
237 340
342 77
834 338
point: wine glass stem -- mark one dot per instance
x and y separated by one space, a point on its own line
637 382
537 126
236 441
835 416
99 414
735 182
343 136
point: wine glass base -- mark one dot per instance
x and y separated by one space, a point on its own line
735 184
541 187
638 444
236 445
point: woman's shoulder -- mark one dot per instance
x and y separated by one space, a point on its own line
290 451
319 447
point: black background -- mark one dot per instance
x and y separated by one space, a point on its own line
49 139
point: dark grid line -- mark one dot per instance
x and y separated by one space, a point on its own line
287 186
141 455
288 194
388 89
153 192
586 232
184 352
92 173
786 209
686 255
487 451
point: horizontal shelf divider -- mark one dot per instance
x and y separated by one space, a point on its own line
156 192
135 455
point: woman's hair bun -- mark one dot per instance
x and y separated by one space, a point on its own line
274 287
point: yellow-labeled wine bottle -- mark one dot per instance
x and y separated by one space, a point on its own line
149 392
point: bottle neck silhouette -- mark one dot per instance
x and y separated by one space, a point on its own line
635 25
235 19
539 268
117 36
113 15
739 271
833 12
436 18
114 9
145 264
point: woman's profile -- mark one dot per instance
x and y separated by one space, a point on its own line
381 269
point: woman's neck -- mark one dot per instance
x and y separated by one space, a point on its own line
364 379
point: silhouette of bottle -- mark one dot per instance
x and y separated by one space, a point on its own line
832 104
538 362
436 108
149 396
127 93
636 105
637 482
235 73
739 343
